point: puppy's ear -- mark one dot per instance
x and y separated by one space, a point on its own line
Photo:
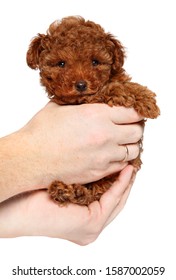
37 45
118 54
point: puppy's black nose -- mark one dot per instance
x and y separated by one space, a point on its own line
81 85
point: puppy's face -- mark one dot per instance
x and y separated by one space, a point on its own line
77 70
74 62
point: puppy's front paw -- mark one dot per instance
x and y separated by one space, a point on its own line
145 102
147 108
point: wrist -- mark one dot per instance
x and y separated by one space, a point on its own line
18 165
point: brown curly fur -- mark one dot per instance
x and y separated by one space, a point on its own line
80 63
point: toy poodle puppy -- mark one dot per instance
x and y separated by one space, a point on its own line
80 63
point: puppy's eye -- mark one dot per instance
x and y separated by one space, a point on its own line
95 62
61 64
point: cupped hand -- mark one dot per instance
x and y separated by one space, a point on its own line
34 214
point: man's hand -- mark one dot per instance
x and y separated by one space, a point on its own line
35 214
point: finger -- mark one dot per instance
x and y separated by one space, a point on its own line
122 115
112 197
114 167
122 202
129 134
122 153
129 152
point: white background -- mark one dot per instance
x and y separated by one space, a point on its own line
144 234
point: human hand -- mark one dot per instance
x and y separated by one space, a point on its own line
81 144
35 214
73 144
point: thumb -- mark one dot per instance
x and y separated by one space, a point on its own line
110 200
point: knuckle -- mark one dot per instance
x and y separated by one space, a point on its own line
99 140
102 161
100 165
101 137
97 174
